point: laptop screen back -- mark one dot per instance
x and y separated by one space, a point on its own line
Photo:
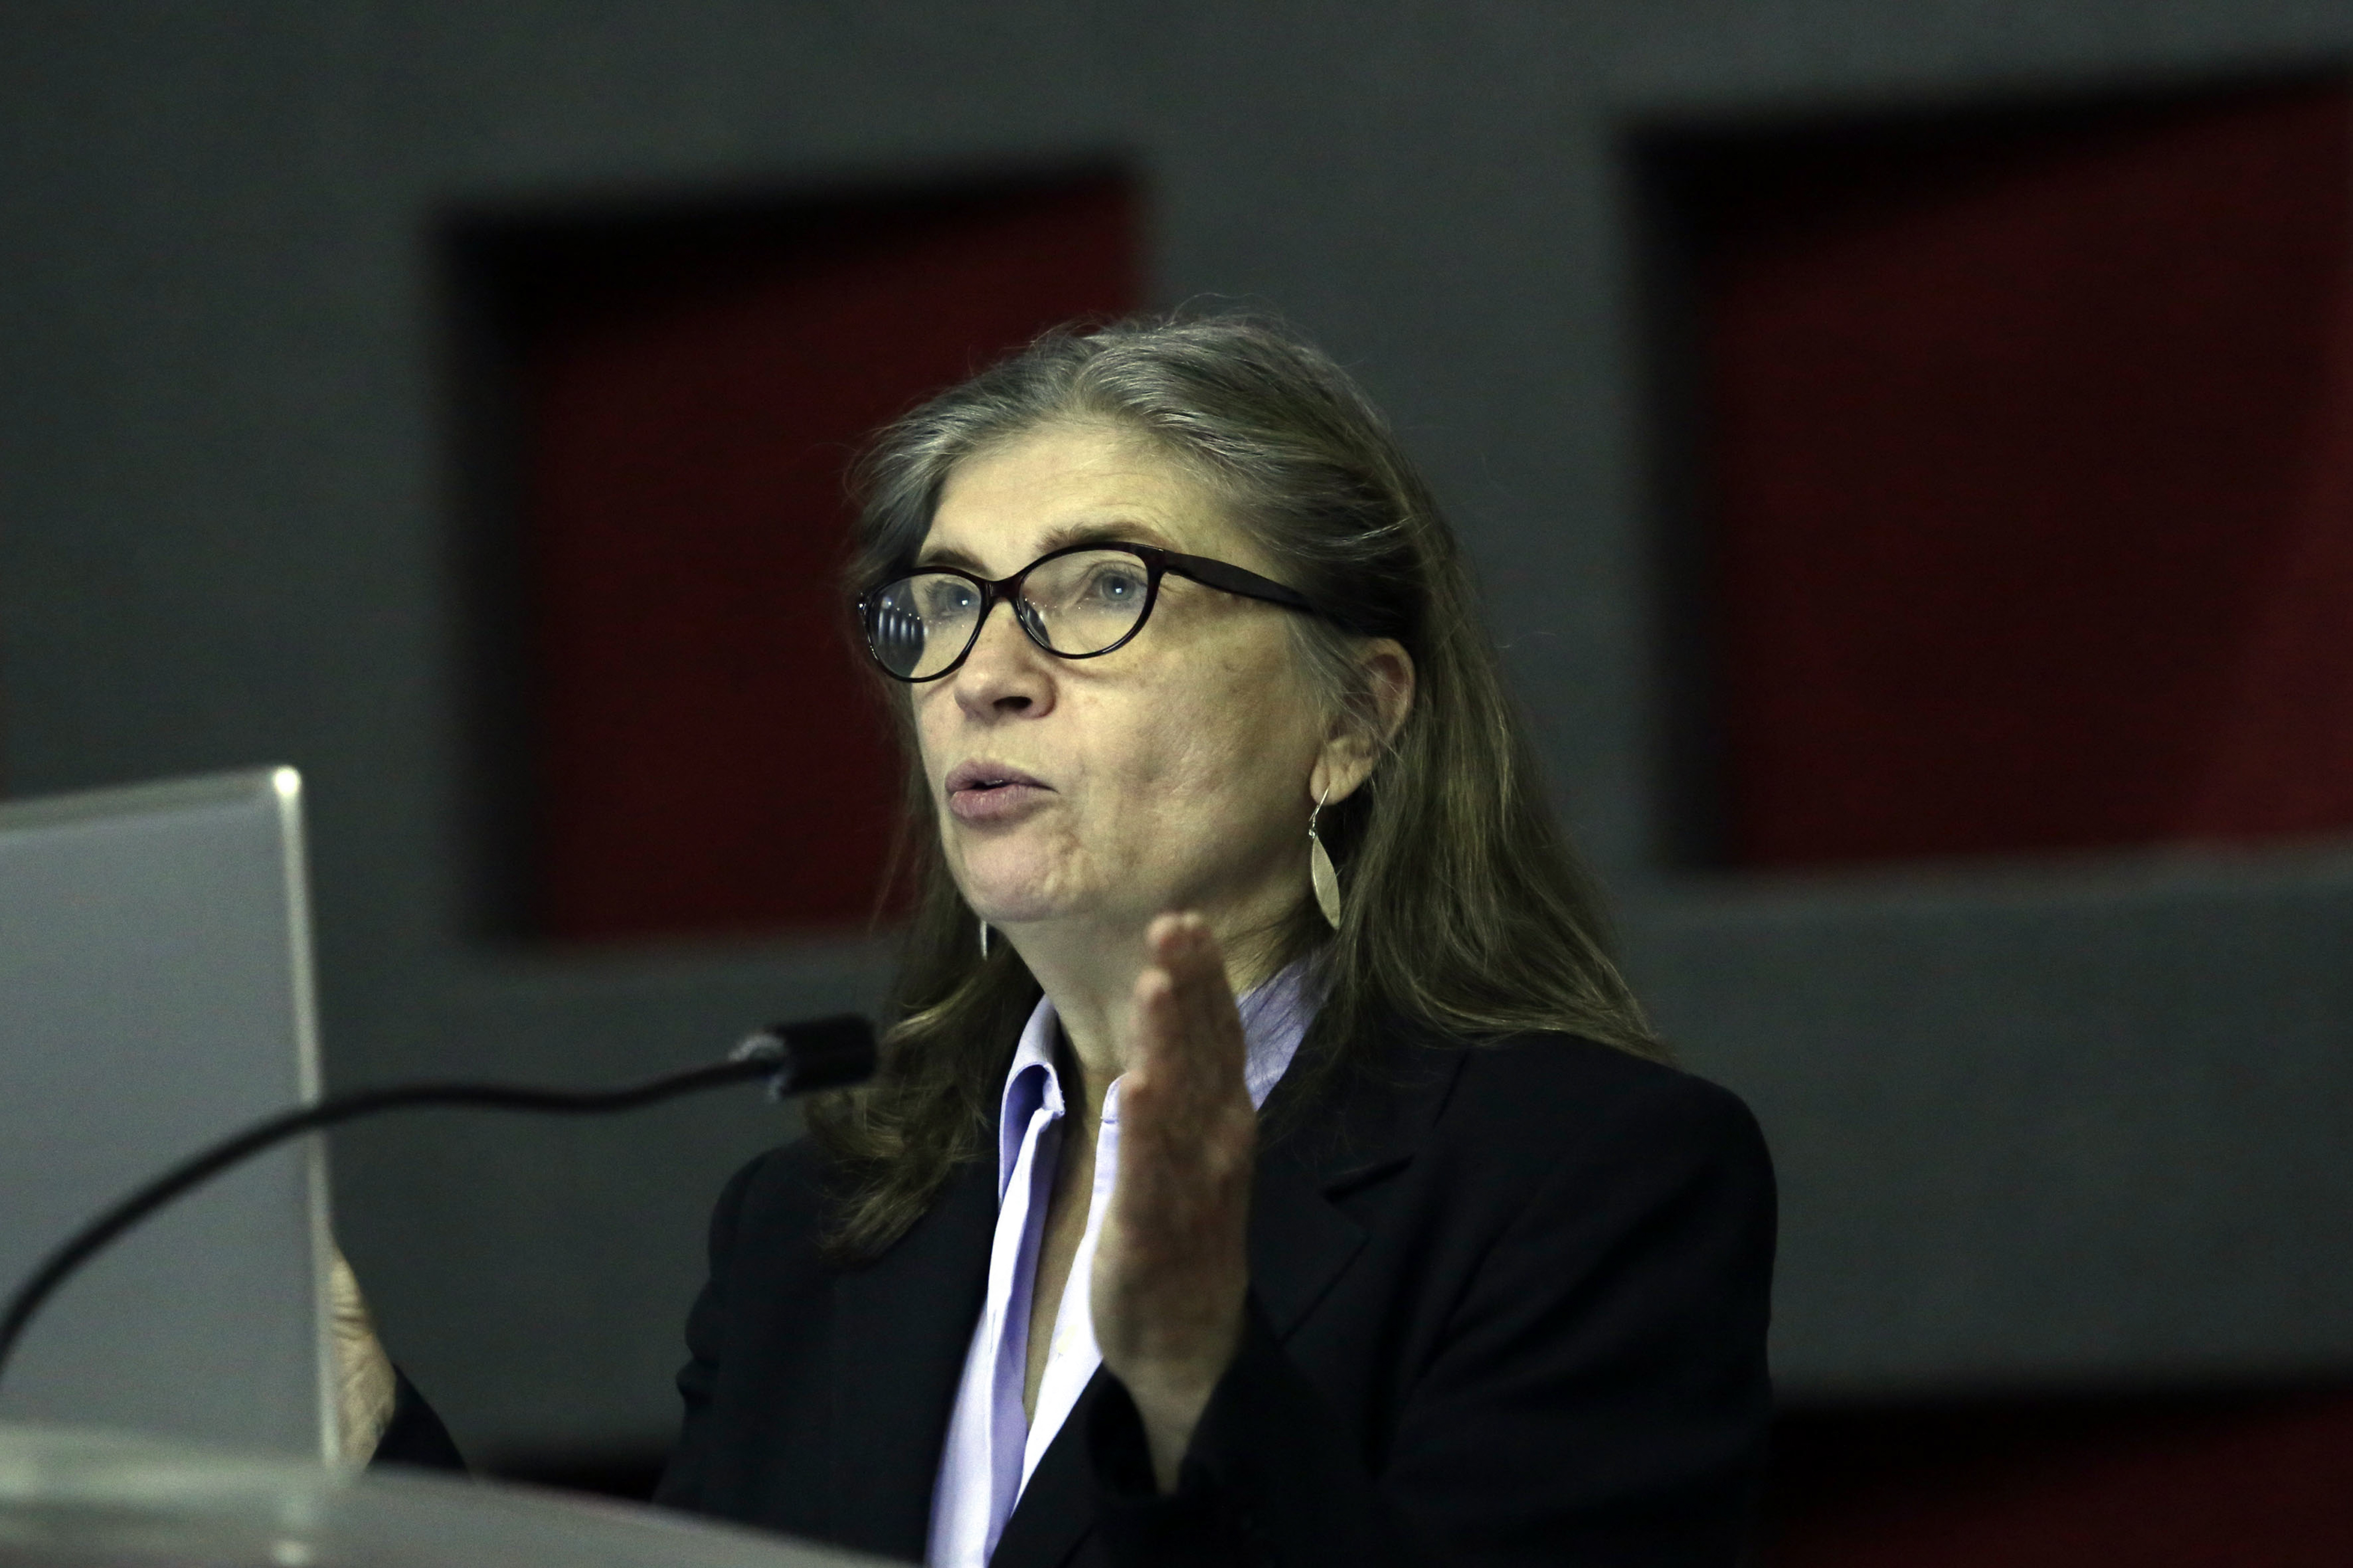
155 994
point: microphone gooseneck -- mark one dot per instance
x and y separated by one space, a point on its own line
793 1059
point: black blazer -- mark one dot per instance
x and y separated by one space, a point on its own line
1507 1306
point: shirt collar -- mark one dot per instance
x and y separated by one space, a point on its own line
1275 1016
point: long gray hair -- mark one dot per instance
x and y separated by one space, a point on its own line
1466 916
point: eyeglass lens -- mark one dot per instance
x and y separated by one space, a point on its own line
1075 604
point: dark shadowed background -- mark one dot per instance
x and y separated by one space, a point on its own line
1908 453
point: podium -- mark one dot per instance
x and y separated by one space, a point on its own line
71 1498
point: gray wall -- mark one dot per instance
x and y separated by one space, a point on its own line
2075 1125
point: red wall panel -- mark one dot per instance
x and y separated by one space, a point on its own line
2032 458
2071 1484
708 757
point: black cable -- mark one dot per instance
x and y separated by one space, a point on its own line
794 1058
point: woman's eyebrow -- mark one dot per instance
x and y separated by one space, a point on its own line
949 555
1102 531
1097 531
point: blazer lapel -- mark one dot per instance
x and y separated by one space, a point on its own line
1360 1129
1058 1507
901 1327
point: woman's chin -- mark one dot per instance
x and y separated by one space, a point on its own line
1019 907
1007 902
1015 888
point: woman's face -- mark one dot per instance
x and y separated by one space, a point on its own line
1172 773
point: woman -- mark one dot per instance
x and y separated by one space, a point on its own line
1418 1255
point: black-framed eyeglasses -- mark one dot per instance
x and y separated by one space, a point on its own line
1079 602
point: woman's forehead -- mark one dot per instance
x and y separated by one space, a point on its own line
1002 507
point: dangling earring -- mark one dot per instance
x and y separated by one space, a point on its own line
1319 867
983 941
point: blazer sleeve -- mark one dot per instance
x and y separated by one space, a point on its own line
414 1435
683 1478
1600 1396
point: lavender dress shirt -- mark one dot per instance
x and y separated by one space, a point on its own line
992 1448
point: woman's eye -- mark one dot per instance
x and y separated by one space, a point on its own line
1118 587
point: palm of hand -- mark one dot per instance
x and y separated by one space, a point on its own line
1171 1269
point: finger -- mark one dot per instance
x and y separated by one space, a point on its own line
1170 945
1161 1111
1198 967
1155 1029
1216 1054
1162 1106
1164 1006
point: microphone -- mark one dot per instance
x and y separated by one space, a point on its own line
792 1058
824 1052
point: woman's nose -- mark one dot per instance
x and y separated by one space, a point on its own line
1005 673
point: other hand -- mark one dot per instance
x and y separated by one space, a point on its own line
365 1386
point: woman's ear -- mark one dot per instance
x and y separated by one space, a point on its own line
1364 729
1388 682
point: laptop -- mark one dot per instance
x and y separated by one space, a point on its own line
155 994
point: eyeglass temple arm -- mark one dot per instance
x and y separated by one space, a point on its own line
1234 580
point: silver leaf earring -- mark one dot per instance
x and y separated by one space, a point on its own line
1319 867
984 941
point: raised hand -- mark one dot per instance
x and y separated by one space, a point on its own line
1172 1264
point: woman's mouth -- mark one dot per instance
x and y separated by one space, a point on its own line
986 792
